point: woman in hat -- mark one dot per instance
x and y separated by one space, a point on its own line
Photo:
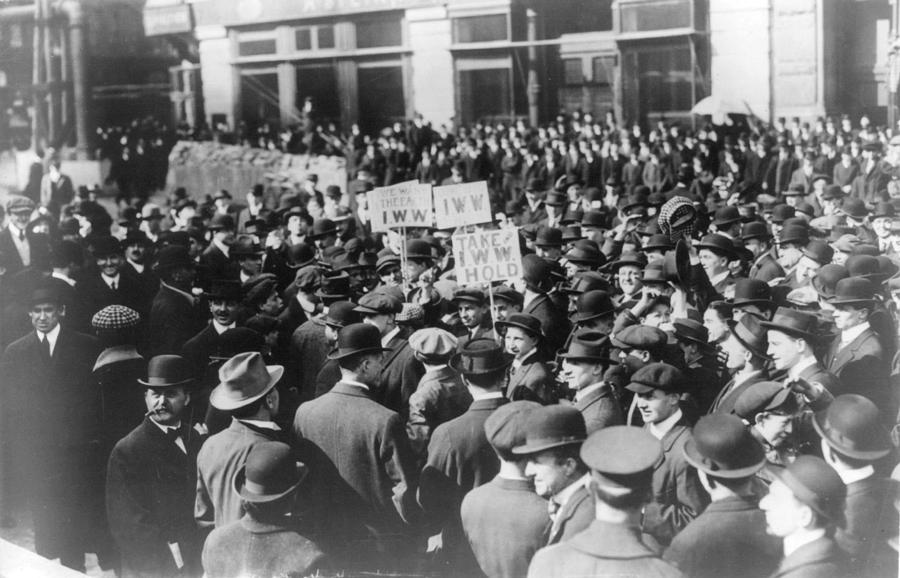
528 378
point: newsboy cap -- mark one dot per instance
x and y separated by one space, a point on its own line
19 204
379 302
661 376
432 344
506 427
553 426
115 317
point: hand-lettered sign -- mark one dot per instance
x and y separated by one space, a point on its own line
460 205
401 205
486 256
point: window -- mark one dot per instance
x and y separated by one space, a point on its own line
325 35
572 72
665 79
485 94
256 47
15 36
314 37
603 69
655 15
379 32
303 39
486 28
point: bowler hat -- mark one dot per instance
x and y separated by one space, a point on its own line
269 473
433 345
104 245
341 314
658 242
727 215
335 285
755 230
585 281
827 278
855 208
781 213
536 272
593 304
589 346
595 219
718 244
379 302
795 234
534 184
356 339
585 255
225 290
174 257
832 192
220 221
661 376
638 260
506 427
751 335
814 483
819 251
852 426
655 273
866 266
765 396
751 292
572 232
322 228
722 447
853 291
884 210
244 379
643 453
246 246
553 426
114 317
419 249
795 323
524 321
479 357
135 237
167 371
300 255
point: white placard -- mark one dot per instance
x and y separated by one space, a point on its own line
460 205
486 256
402 205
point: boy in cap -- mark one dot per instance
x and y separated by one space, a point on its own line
729 538
803 508
677 495
619 483
151 478
528 377
441 394
552 444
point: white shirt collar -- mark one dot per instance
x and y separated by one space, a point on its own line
849 335
390 335
566 494
245 277
857 475
585 391
801 366
517 363
165 428
355 383
220 329
489 395
264 424
659 430
308 306
52 336
797 540
716 279
222 246
529 297
110 280
16 231
61 277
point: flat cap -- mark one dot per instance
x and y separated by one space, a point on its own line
469 295
258 288
507 426
433 343
379 302
660 376
765 396
640 337
604 451
410 314
18 203
113 317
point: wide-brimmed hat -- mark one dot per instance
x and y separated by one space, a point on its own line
356 339
852 426
553 426
816 484
479 357
269 473
751 334
795 323
589 346
167 371
244 379
723 447
524 321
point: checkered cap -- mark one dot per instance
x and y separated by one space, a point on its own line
411 312
115 317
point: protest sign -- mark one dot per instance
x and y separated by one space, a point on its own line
460 205
486 256
402 205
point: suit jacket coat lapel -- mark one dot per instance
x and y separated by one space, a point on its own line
567 511
844 355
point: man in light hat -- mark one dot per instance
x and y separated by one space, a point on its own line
584 366
441 394
268 486
247 392
729 538
504 520
364 470
151 479
803 508
552 443
459 456
619 483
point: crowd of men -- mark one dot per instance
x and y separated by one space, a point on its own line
696 373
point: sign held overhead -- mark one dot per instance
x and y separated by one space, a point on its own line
402 205
460 205
485 256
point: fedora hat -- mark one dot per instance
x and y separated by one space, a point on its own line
244 379
638 260
220 221
853 291
852 426
751 292
723 447
718 244
225 290
585 281
816 484
819 251
589 346
572 232
269 473
167 371
727 215
593 304
524 321
827 278
751 334
322 228
357 338
658 242
795 323
341 314
479 357
585 255
553 426
755 230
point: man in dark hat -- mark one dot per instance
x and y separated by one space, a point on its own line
716 252
548 243
803 508
552 443
745 350
216 259
620 484
528 376
268 486
176 314
538 280
339 315
792 338
111 283
474 315
224 300
45 374
534 211
506 302
729 538
504 520
701 363
751 297
853 441
152 479
247 392
678 497
363 468
139 252
584 366
459 456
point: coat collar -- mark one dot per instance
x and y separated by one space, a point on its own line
488 405
816 552
734 504
115 355
351 390
606 540
256 527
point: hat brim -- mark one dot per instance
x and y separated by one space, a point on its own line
539 446
314 236
530 330
454 364
155 384
693 457
793 332
576 357
240 479
215 399
303 264
639 388
836 444
346 354
751 348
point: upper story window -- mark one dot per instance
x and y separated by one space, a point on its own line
656 15
487 28
255 44
379 32
319 37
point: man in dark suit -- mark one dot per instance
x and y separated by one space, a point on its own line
57 189
459 456
224 300
362 470
528 377
678 496
474 315
112 282
216 259
552 443
176 314
50 429
758 240
246 391
152 479
583 367
791 335
745 349
504 520
803 507
21 248
538 278
729 538
534 211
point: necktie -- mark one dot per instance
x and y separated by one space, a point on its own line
112 285
553 508
21 235
45 346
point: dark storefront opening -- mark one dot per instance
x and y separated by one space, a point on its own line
259 99
381 101
319 82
